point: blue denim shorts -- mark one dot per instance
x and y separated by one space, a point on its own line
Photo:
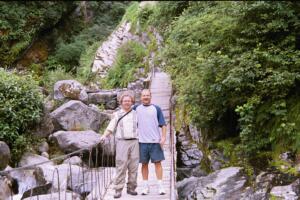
151 151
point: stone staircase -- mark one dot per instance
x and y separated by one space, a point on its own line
106 53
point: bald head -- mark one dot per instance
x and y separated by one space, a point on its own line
146 97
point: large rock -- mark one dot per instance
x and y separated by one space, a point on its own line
30 159
189 153
75 115
56 196
79 179
106 98
74 160
287 192
39 190
70 141
58 175
93 152
70 89
261 187
183 173
227 183
26 180
43 147
4 155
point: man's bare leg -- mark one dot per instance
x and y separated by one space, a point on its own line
158 170
145 174
159 175
145 171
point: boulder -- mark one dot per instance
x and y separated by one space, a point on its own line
45 154
43 147
64 195
186 186
70 141
189 153
57 175
74 160
287 192
30 159
25 179
227 183
183 173
70 89
79 179
75 115
4 155
261 187
93 152
106 98
39 190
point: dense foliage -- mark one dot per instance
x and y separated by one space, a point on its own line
129 59
22 21
20 108
235 67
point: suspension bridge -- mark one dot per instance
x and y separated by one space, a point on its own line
95 180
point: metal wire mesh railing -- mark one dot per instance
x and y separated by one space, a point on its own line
88 180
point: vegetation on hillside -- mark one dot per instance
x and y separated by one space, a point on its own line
128 61
236 71
21 22
42 37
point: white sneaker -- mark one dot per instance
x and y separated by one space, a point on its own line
161 190
145 190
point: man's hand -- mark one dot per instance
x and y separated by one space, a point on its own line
162 142
102 138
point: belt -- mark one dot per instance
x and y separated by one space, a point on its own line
128 138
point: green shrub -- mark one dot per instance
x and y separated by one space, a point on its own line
20 108
69 54
129 58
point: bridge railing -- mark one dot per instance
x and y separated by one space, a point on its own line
89 180
173 195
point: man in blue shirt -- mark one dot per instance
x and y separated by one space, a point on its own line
150 120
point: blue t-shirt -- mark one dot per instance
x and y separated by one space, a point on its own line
150 118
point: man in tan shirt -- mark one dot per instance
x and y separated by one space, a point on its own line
127 145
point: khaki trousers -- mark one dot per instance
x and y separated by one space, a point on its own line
127 159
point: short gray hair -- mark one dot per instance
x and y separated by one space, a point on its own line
146 90
126 94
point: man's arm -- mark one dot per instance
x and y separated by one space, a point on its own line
162 124
106 133
164 135
111 126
